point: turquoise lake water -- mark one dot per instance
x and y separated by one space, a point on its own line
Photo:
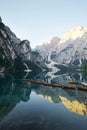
27 106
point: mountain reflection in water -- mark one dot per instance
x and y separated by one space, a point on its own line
14 92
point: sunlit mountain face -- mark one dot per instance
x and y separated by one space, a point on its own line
70 50
72 47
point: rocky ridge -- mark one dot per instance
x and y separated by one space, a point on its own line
16 54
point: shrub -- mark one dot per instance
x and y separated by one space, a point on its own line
85 67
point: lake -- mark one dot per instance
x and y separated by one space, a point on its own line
28 106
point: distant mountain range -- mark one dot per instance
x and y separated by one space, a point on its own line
70 50
17 55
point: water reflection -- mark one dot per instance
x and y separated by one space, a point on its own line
14 91
75 106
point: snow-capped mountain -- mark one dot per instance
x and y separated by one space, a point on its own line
47 47
72 48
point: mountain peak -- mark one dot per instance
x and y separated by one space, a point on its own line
45 48
0 19
55 40
74 33
72 48
78 29
51 40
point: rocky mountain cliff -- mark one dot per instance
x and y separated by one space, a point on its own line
72 48
16 54
47 47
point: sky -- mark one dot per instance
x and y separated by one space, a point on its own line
40 20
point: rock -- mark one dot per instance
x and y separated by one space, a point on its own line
72 48
0 19
47 47
17 54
